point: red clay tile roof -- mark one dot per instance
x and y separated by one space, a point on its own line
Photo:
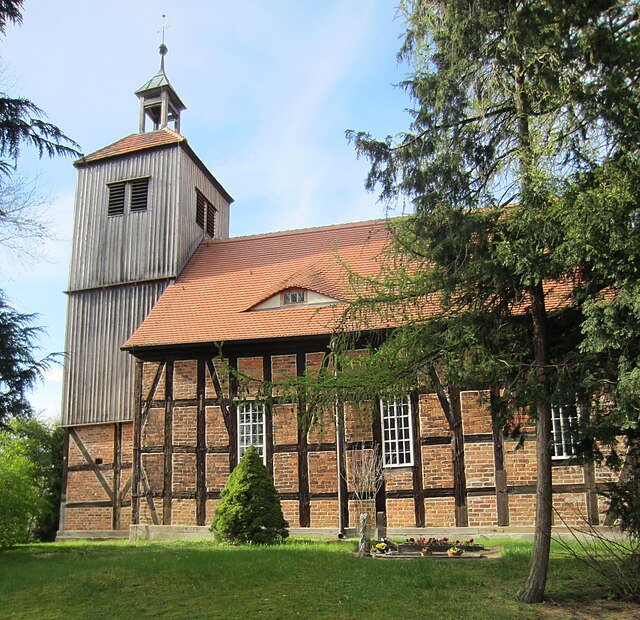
131 144
211 299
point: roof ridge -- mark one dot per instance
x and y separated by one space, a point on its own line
105 151
300 231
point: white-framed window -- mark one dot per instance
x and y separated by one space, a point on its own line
251 416
564 420
293 297
397 443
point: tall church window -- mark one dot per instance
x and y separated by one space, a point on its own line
251 415
397 443
564 430
133 193
205 214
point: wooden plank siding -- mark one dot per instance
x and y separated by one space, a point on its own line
119 267
98 383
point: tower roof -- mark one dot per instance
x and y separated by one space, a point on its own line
158 99
160 81
133 143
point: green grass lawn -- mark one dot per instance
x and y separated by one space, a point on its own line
303 578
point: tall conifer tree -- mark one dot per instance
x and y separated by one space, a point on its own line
514 102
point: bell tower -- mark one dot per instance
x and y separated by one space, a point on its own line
159 101
143 205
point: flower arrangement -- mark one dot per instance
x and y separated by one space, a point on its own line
455 551
439 542
381 547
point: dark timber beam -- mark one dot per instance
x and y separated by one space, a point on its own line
593 518
167 495
201 447
233 413
304 501
117 469
418 489
500 474
343 490
381 501
268 431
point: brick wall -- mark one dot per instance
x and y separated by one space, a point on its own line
285 472
482 510
83 487
439 512
322 472
324 512
400 511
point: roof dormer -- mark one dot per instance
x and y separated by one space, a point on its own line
294 297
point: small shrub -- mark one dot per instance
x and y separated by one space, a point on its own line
249 510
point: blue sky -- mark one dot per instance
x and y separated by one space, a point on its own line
270 87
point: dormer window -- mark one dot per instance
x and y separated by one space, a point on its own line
293 297
205 214
132 193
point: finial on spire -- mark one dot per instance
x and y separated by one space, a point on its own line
163 48
158 101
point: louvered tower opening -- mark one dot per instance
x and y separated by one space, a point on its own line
139 194
116 199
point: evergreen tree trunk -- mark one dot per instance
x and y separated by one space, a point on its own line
533 589
534 586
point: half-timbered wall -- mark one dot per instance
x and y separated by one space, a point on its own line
184 444
96 492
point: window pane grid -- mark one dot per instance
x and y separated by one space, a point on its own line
293 297
251 427
564 420
396 432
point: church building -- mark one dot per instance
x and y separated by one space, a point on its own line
165 312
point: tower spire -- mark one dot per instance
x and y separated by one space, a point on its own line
163 48
158 99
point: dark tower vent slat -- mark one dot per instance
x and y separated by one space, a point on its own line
116 199
211 219
139 194
201 207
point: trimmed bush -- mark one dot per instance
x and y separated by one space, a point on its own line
249 510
